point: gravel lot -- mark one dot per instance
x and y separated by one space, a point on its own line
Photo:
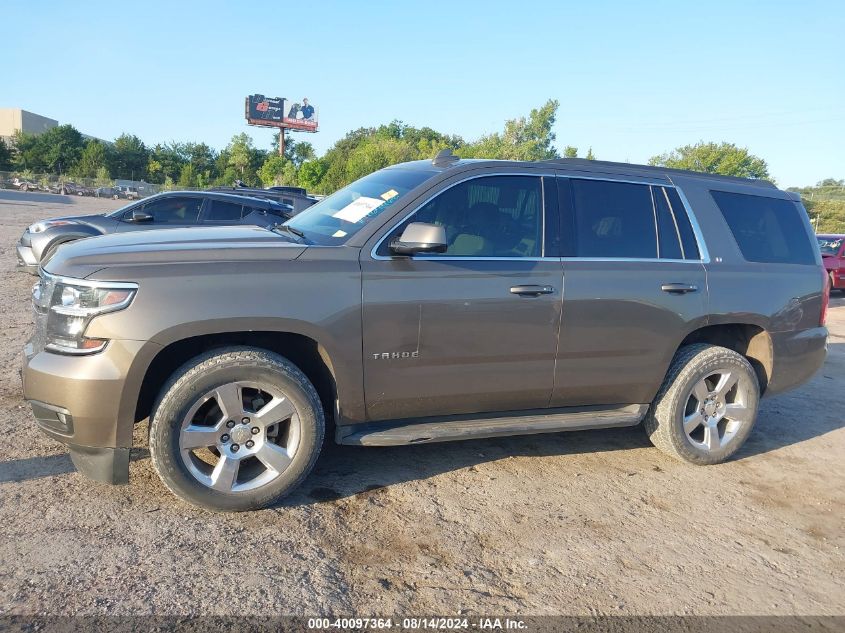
580 523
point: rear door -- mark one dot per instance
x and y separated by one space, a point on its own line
635 285
474 329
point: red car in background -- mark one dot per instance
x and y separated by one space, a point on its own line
833 256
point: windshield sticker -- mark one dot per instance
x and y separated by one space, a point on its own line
358 209
387 195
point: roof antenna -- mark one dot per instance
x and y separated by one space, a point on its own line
444 158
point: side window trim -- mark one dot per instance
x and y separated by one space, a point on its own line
704 255
541 176
674 221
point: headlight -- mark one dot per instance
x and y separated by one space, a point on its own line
40 227
73 304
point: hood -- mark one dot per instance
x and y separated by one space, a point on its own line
100 220
82 258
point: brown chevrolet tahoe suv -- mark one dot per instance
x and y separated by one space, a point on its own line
430 301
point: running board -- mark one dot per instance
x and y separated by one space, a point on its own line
465 427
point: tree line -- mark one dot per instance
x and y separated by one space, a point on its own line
64 151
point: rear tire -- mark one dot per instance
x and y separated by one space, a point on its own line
706 407
214 438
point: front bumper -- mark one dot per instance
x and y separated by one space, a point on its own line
86 402
26 259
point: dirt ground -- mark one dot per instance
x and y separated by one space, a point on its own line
582 523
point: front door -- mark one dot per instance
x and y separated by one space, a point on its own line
474 329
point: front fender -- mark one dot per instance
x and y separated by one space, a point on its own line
43 242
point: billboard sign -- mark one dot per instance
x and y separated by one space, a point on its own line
300 115
278 112
267 111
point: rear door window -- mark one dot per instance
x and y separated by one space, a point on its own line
614 220
221 211
767 230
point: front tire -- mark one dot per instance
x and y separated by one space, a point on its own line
236 429
706 407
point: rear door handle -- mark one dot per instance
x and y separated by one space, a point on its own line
678 289
532 291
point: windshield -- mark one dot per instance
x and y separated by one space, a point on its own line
334 220
830 245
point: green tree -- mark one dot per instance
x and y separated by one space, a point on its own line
311 175
273 169
129 157
239 151
590 155
570 152
714 158
187 176
61 148
6 156
94 157
103 178
27 152
166 161
56 150
523 139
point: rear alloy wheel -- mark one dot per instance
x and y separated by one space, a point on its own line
236 429
707 405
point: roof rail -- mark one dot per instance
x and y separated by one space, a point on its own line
657 169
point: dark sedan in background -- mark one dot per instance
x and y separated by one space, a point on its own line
162 211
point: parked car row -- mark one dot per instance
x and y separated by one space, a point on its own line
175 209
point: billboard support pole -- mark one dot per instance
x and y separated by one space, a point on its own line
282 142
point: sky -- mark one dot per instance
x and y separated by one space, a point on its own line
633 79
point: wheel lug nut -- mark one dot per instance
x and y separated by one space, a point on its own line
224 437
230 423
245 420
250 443
235 447
256 430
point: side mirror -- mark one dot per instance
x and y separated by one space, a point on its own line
420 237
141 216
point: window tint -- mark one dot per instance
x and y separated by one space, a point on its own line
614 219
495 216
224 211
768 230
174 210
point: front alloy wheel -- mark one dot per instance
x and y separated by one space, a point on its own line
236 429
239 436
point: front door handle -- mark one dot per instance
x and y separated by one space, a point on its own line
531 291
678 289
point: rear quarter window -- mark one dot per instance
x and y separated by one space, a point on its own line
767 230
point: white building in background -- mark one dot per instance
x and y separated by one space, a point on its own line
14 119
